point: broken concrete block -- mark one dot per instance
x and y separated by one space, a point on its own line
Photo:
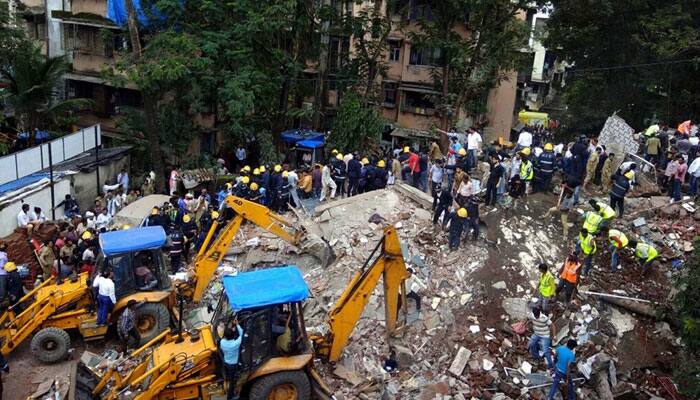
404 356
487 364
499 285
526 368
516 307
460 361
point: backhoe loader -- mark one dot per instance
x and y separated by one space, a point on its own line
52 309
276 355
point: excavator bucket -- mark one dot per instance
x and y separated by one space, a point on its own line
319 248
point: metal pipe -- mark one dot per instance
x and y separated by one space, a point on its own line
613 295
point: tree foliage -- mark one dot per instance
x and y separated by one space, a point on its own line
356 127
631 57
686 303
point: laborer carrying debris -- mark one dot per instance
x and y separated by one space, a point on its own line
605 211
618 240
547 287
646 254
586 244
592 221
568 276
565 205
566 360
458 221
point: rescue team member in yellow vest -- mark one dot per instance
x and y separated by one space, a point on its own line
527 172
646 254
618 240
592 221
547 287
568 276
604 211
586 244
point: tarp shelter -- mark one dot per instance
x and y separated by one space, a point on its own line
136 239
294 136
116 12
265 287
135 213
309 146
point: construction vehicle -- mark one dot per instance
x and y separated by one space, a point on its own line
276 356
55 307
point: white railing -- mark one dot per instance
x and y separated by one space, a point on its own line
29 161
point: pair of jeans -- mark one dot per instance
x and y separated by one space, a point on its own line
577 192
588 263
614 258
231 374
474 225
558 377
472 158
491 193
676 195
175 262
418 181
618 203
104 305
693 185
540 344
353 185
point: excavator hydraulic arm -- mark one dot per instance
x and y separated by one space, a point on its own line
344 315
210 256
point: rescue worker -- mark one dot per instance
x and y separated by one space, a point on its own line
473 212
275 185
257 194
189 232
458 220
526 169
621 185
618 240
284 193
366 176
604 211
266 180
354 170
545 169
339 173
566 204
646 254
380 175
568 276
586 244
240 189
546 287
592 221
14 284
105 296
176 239
443 207
256 177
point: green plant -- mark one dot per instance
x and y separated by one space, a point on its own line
688 314
356 127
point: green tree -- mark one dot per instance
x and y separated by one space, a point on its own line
636 74
31 79
356 127
685 304
477 42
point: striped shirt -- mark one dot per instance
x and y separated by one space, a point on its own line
541 325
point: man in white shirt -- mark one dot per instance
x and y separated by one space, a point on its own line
123 180
524 140
473 146
25 220
103 220
327 183
106 188
105 296
694 171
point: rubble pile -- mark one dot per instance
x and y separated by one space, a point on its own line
21 251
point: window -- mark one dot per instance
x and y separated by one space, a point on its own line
389 94
420 10
425 56
394 50
418 103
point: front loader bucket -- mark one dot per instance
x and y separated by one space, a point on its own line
83 383
319 248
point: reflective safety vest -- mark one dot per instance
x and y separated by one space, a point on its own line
614 233
592 222
570 272
547 286
606 211
587 244
646 252
526 171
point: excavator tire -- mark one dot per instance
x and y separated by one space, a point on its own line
151 320
50 345
287 385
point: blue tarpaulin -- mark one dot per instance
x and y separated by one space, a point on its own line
116 12
26 181
310 143
296 135
40 135
265 287
118 242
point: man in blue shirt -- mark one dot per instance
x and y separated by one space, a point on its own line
230 347
566 360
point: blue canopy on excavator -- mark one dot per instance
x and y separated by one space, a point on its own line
137 239
265 287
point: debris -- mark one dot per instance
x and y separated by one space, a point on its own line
474 328
526 368
435 303
487 364
516 307
460 361
639 222
499 285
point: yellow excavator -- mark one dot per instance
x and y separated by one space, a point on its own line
54 308
276 355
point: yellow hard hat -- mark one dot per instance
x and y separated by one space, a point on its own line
186 218
381 164
154 211
364 161
526 151
215 214
278 168
245 180
125 227
262 169
629 175
10 266
549 147
253 186
339 156
462 212
462 152
256 171
246 168
242 171
228 185
285 174
334 151
86 235
406 149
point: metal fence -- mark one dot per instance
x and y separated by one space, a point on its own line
29 161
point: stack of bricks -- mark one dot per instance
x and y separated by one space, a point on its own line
21 251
